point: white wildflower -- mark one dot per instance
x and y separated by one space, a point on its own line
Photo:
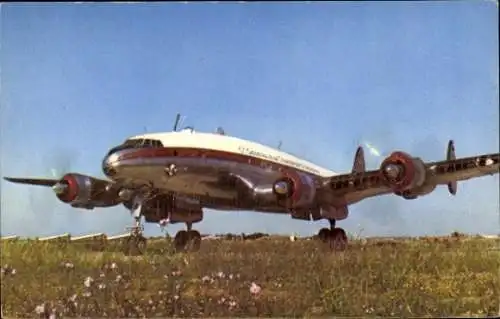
88 281
69 265
87 294
118 278
114 266
101 286
255 289
220 274
206 279
40 309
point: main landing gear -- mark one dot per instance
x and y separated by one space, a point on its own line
335 237
187 240
135 244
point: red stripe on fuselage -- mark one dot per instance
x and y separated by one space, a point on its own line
209 154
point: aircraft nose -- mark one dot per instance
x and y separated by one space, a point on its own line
108 164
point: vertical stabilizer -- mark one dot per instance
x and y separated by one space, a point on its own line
359 161
450 155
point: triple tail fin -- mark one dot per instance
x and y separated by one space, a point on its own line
359 165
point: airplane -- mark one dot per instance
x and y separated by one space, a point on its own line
171 177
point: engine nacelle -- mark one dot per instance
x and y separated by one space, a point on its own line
415 193
403 173
83 191
332 212
186 215
295 189
179 210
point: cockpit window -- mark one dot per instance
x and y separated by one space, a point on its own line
138 143
142 142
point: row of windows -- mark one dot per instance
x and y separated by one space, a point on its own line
357 183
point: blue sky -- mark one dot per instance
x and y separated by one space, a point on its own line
323 78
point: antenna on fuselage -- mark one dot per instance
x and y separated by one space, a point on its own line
177 119
220 131
279 145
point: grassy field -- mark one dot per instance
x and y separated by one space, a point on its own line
263 277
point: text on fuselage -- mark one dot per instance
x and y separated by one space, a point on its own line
275 158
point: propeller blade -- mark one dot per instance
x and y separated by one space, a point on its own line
56 164
60 162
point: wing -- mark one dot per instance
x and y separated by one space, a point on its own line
406 176
33 181
78 190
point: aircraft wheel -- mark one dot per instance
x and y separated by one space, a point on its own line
324 234
180 241
194 240
338 239
135 245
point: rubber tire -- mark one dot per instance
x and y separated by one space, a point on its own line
180 241
338 239
324 234
135 245
194 240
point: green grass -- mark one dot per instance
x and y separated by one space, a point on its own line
426 277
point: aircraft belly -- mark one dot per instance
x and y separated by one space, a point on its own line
208 180
196 176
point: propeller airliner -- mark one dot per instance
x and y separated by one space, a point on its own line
173 176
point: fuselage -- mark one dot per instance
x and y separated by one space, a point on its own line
198 164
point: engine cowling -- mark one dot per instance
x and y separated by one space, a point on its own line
403 173
333 212
295 190
85 192
178 210
415 193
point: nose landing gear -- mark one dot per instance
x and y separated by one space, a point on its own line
136 243
335 237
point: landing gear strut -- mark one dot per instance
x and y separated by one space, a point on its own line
187 240
335 237
135 244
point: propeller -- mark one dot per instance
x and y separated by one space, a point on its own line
57 163
61 163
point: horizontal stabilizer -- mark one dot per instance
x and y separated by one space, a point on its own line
33 181
359 165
